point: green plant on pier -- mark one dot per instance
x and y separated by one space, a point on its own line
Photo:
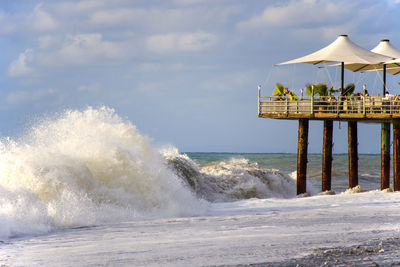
281 92
320 89
349 89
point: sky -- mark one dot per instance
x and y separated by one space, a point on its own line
184 72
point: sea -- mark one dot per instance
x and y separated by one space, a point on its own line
86 188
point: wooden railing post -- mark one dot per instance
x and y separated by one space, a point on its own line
312 99
286 106
363 104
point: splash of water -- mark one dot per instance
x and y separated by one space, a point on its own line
90 167
230 180
84 168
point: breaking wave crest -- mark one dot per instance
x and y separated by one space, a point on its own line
90 167
84 168
230 180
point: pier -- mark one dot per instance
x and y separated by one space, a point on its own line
349 107
353 109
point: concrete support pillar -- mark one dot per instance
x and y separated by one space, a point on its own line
302 146
396 155
327 156
385 155
353 154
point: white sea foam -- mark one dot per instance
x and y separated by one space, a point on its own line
231 180
354 190
83 168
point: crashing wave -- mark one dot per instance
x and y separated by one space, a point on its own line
89 167
230 180
85 168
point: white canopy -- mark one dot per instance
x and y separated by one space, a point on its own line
393 66
342 50
386 48
351 56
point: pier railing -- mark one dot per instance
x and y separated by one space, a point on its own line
339 107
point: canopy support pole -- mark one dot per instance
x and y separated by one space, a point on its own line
342 79
384 80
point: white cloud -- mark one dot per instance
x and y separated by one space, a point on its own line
22 97
42 21
19 67
154 19
81 49
192 42
298 14
113 17
28 23
89 48
47 42
161 20
87 6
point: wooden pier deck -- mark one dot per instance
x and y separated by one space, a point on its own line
372 109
